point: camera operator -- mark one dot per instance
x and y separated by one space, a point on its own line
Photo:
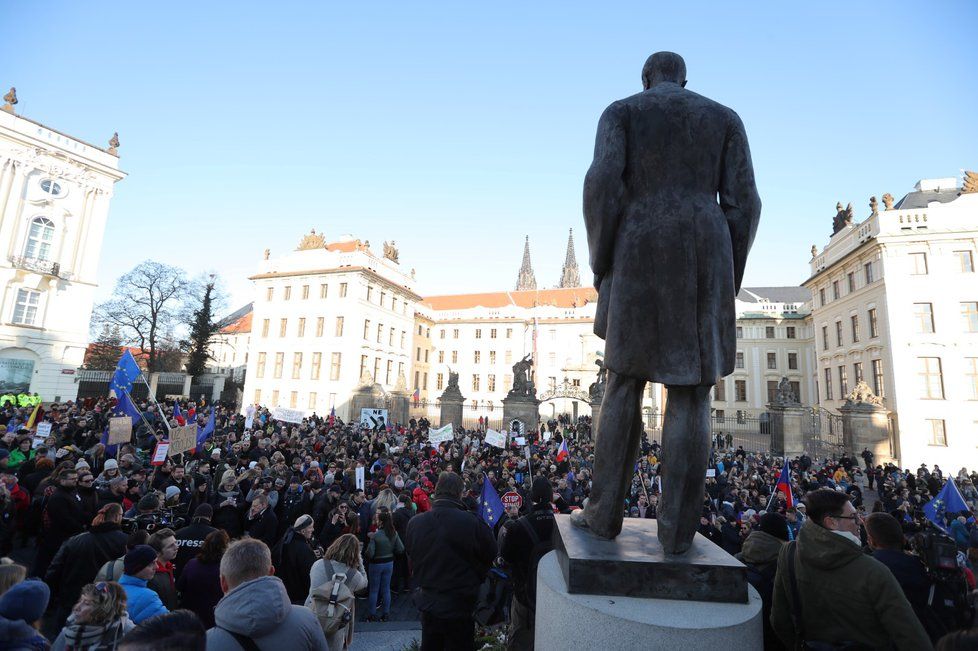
884 536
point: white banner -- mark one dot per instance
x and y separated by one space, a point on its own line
182 439
360 477
520 440
547 435
288 415
44 429
495 438
249 416
442 434
373 418
120 430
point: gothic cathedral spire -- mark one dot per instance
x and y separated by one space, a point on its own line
526 278
569 275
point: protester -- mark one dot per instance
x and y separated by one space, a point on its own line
257 607
98 620
11 573
451 551
384 545
200 582
342 558
140 566
21 609
760 554
294 557
191 538
164 542
80 557
844 596
62 519
180 630
523 543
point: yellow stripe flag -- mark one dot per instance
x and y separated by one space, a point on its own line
34 415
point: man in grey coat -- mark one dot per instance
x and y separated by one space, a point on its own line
671 210
256 606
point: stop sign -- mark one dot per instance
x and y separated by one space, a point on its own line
512 498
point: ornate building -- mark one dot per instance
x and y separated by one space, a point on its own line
895 304
55 192
569 275
526 280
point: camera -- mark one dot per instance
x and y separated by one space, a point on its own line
949 598
173 518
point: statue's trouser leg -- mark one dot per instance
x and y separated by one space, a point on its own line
686 450
619 431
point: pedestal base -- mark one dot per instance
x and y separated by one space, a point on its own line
577 621
451 412
523 409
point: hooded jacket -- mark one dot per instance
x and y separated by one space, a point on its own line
845 595
260 609
141 602
18 635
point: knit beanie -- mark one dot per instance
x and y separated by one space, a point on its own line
774 524
25 601
138 558
541 491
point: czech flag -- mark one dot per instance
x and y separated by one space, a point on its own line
784 485
332 416
562 452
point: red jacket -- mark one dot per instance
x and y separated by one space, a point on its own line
421 500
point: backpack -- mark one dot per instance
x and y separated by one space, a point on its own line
491 601
539 550
333 602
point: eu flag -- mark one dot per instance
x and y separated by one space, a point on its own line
490 506
126 372
208 429
947 502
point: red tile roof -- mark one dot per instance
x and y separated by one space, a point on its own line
566 298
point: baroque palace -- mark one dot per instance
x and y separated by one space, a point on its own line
890 308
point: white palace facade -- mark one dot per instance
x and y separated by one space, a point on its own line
55 192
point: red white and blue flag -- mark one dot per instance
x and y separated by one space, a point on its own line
332 416
562 452
784 486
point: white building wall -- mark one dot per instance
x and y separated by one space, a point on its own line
64 276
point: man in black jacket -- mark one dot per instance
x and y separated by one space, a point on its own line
451 552
62 518
80 557
261 522
191 538
518 551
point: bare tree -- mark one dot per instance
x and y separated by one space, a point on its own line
145 306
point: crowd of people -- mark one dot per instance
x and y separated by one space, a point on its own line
269 531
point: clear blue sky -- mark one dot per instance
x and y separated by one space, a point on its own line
455 129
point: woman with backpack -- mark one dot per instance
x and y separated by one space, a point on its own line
342 557
384 545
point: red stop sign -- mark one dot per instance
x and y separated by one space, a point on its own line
512 498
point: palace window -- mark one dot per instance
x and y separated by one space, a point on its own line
275 397
492 333
838 333
305 295
825 337
874 326
969 313
260 370
39 239
476 356
454 357
772 361
971 366
312 400
769 332
317 362
857 372
51 187
878 377
923 318
966 262
740 332
792 361
492 357
740 359
491 382
25 310
339 326
269 293
342 290
851 281
821 296
302 327
740 390
334 367
772 390
720 390
931 378
937 431
282 325
843 382
441 356
918 264
475 382
854 324
323 291
835 290
264 328
791 332
293 399
868 270
366 328
828 384
288 292
279 361
439 381
478 333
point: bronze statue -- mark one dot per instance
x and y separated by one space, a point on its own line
671 210
596 390
522 385
785 394
843 217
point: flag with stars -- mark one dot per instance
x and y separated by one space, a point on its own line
947 503
207 430
490 506
126 372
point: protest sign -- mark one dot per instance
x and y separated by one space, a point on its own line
442 434
120 430
547 435
182 439
249 416
373 418
43 429
512 498
360 477
288 415
159 454
520 440
711 472
495 438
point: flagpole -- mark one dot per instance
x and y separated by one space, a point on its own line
152 397
775 491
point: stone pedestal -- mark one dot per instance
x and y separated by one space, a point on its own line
595 414
522 408
581 621
788 429
369 396
400 405
866 425
451 403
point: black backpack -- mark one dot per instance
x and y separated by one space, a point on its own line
540 548
491 602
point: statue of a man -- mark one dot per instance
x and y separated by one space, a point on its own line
671 210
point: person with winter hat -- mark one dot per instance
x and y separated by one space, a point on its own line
21 608
139 567
109 472
760 555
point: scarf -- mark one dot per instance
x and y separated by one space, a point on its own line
92 637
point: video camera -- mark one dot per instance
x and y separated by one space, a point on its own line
172 518
949 597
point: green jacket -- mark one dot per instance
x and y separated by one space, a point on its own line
8 397
382 549
845 595
23 399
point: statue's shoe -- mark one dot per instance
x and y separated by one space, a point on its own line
578 519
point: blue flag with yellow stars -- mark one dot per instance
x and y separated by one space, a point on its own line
948 503
490 506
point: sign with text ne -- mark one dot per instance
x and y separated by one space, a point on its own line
182 439
373 418
120 430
